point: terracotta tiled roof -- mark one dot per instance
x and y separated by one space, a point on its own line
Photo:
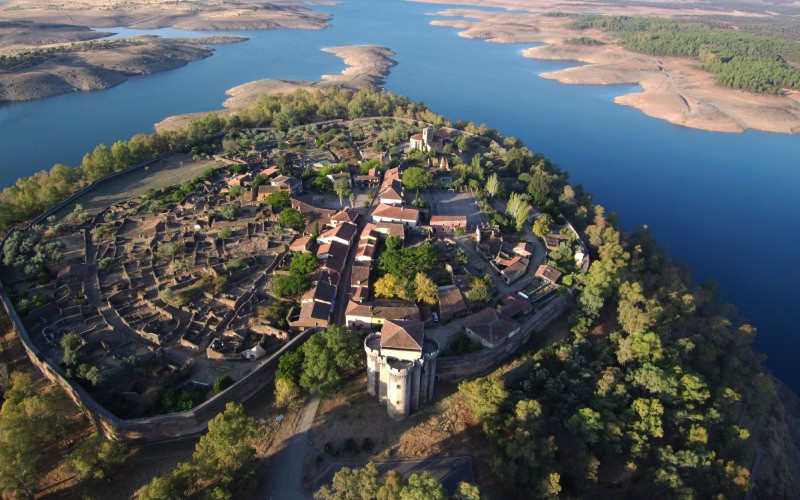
448 218
516 268
395 309
396 213
405 335
344 231
451 301
513 305
321 292
549 273
345 215
359 275
551 241
300 244
490 325
359 309
391 229
366 250
313 314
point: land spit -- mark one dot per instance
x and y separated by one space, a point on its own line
367 66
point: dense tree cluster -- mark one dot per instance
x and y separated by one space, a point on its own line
406 262
755 63
367 483
33 422
299 278
319 365
222 465
662 402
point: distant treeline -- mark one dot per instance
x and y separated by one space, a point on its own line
740 60
30 196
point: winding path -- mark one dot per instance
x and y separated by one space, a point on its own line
284 480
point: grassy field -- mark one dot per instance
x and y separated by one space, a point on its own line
171 170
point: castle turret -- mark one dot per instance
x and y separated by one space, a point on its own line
401 366
398 393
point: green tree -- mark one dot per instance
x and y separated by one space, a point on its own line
492 185
342 189
96 457
303 263
70 343
166 487
222 383
328 356
278 200
518 208
226 453
543 225
415 178
460 256
467 491
485 397
229 212
235 191
480 293
367 484
293 218
225 233
391 286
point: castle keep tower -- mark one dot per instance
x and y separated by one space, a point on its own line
401 366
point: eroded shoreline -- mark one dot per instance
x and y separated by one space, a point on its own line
673 89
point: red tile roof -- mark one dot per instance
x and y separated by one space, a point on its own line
490 325
549 273
403 335
396 213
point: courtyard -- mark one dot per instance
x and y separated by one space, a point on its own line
455 203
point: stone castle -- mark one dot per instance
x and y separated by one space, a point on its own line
401 366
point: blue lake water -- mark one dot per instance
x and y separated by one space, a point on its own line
726 204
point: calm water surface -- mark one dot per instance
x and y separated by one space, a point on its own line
726 204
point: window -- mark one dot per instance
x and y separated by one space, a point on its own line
398 386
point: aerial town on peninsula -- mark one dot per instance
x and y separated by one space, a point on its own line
147 303
329 289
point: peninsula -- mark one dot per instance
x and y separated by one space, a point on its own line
366 67
50 49
676 89
94 65
355 245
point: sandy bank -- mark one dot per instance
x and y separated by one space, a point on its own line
673 89
367 67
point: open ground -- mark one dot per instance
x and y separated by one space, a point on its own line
456 203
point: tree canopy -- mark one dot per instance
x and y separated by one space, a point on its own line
415 178
366 483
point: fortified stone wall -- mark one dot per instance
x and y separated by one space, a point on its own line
458 368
